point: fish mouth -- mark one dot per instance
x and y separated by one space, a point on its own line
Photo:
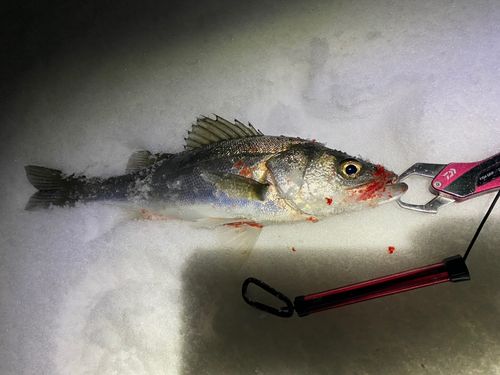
394 187
389 187
392 191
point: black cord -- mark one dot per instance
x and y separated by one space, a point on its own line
481 226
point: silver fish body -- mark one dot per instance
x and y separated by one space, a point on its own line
232 171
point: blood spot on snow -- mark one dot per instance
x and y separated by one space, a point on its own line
391 249
312 219
329 201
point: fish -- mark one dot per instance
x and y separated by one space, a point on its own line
229 173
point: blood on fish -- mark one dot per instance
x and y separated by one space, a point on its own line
243 169
391 249
239 224
329 201
378 186
150 215
371 190
246 172
312 219
379 171
239 164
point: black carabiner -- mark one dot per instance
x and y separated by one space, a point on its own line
283 312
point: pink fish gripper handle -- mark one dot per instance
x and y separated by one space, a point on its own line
462 181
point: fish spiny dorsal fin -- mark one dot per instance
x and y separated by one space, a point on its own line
207 131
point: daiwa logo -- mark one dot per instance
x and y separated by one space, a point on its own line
449 174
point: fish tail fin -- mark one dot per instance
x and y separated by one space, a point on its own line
55 189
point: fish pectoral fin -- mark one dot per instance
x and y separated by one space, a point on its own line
144 159
237 186
207 131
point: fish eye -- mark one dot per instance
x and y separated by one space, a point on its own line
350 168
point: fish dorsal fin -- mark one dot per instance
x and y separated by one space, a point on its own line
144 159
207 131
139 160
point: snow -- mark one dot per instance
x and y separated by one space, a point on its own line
91 290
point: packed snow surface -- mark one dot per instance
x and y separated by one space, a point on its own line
94 290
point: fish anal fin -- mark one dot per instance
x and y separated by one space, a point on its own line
154 216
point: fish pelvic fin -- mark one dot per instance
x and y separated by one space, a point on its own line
240 236
55 189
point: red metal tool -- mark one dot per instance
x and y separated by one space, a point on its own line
451 269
